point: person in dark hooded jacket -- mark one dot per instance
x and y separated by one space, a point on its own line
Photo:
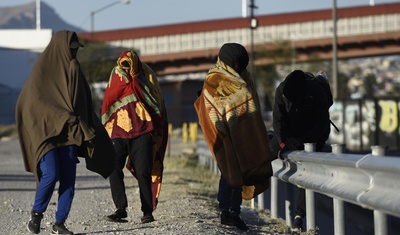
300 115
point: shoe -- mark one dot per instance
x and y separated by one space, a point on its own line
232 220
60 229
117 216
147 218
298 224
34 223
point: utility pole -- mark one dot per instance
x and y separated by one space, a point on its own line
334 53
253 26
37 14
126 2
244 8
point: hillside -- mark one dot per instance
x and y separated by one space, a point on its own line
24 17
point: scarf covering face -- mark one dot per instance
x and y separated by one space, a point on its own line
54 109
229 115
133 105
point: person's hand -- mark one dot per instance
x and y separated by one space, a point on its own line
283 147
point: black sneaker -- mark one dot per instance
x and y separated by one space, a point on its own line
231 220
148 218
34 223
298 224
60 229
117 216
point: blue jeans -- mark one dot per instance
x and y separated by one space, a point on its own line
229 198
57 165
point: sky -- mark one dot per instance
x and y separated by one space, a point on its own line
113 14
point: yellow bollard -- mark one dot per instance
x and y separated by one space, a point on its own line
193 132
169 139
169 129
185 132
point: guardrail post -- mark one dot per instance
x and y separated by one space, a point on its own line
338 205
289 199
339 217
338 148
309 147
380 218
377 150
310 209
310 200
274 197
260 201
380 223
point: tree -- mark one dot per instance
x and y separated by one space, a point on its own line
97 60
266 59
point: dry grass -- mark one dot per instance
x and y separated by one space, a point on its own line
8 130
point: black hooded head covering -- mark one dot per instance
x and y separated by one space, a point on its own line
74 42
295 86
235 56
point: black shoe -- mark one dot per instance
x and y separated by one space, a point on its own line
60 229
117 216
34 223
298 224
232 220
226 218
147 218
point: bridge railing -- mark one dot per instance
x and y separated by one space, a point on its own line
370 181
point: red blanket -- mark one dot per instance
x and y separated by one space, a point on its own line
133 105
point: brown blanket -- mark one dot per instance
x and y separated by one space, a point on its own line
230 118
55 109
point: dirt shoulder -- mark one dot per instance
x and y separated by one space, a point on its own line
187 203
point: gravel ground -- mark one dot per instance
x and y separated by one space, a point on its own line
187 203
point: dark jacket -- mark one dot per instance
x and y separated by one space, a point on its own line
301 113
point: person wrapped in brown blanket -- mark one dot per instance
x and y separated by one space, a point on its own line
230 117
56 124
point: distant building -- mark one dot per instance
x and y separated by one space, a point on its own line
180 95
19 50
7 103
192 47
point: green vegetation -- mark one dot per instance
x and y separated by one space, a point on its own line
97 60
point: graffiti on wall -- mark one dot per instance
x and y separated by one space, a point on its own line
364 123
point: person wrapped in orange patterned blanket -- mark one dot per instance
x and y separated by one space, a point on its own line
230 117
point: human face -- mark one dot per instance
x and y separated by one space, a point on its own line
74 51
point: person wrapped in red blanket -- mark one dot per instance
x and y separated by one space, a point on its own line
134 115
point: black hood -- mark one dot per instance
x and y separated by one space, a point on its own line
235 56
295 86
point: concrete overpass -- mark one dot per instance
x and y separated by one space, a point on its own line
192 47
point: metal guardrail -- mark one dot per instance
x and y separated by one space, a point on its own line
205 157
370 181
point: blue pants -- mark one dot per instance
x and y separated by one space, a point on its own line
229 198
57 165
